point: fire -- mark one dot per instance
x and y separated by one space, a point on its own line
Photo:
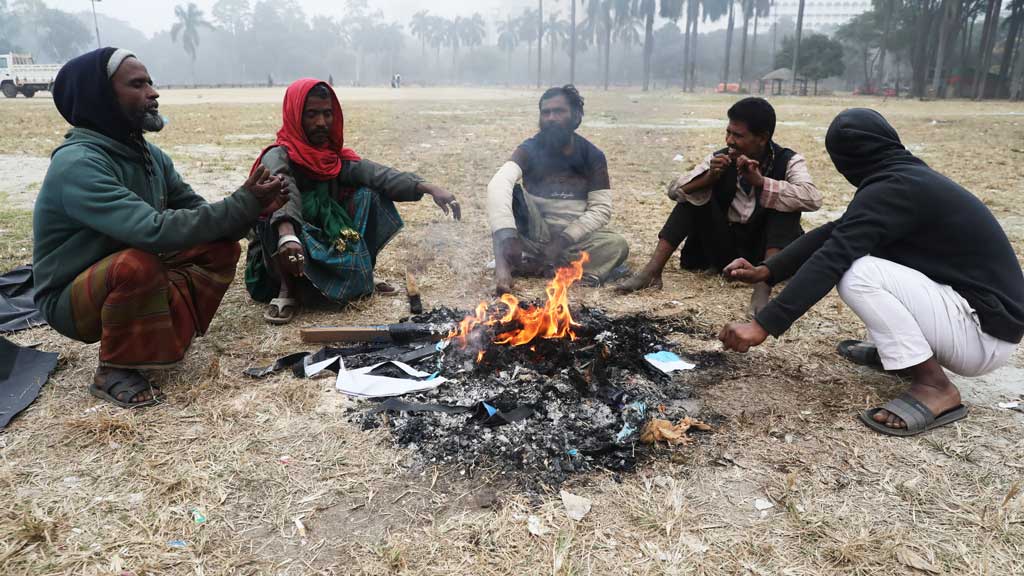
551 321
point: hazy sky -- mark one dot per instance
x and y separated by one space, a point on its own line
151 16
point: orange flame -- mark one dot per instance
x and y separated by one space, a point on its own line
551 321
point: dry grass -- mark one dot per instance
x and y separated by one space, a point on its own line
288 486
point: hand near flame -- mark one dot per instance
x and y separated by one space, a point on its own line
508 255
555 252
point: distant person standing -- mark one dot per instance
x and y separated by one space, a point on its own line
398 80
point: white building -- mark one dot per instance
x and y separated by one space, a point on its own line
820 14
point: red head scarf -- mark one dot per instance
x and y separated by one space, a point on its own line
318 163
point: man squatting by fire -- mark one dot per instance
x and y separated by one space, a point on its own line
124 252
922 261
321 247
744 200
562 205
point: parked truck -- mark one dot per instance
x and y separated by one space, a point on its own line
19 74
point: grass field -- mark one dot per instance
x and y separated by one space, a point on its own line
86 488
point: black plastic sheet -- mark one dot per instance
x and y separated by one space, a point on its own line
17 309
23 371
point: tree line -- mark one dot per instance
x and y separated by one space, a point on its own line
927 48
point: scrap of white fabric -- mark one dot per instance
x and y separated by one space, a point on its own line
360 382
668 362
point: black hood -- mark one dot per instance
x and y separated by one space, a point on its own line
85 97
862 143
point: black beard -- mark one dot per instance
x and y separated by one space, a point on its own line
554 137
151 121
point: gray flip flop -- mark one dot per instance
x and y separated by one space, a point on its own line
287 308
914 414
127 383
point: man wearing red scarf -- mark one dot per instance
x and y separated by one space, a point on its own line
321 246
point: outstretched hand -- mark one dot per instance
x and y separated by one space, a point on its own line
741 337
444 199
742 270
270 191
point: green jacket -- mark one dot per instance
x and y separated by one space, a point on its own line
97 199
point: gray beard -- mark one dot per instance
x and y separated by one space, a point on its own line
152 122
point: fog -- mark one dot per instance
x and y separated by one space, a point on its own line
366 42
690 44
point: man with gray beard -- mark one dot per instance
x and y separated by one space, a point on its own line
562 206
125 253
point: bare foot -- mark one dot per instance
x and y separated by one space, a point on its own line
930 386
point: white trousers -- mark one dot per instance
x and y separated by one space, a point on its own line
911 318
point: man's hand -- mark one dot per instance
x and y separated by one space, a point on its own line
270 191
750 170
718 165
742 337
444 199
508 256
290 257
743 271
554 253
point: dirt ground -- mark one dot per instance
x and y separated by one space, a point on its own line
288 486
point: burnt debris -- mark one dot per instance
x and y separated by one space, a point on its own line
540 412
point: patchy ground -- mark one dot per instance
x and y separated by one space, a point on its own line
86 488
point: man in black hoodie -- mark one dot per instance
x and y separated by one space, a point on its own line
921 260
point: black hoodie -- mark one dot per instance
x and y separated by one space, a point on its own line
905 212
85 97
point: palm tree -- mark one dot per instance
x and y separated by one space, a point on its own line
728 41
890 12
467 32
796 45
670 9
713 10
628 33
472 30
540 38
572 41
558 33
528 33
437 32
508 39
190 20
420 27
761 8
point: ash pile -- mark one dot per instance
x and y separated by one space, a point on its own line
538 412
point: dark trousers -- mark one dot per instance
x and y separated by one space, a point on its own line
713 242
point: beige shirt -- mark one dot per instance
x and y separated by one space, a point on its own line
797 193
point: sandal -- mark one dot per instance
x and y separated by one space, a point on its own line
860 352
917 417
385 289
281 311
121 384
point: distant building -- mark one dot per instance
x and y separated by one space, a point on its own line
819 14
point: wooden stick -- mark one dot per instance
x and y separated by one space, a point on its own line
346 334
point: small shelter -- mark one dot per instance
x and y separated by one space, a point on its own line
778 79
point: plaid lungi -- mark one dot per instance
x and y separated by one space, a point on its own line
144 309
340 276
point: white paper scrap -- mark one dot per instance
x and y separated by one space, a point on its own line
668 362
360 382
314 369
